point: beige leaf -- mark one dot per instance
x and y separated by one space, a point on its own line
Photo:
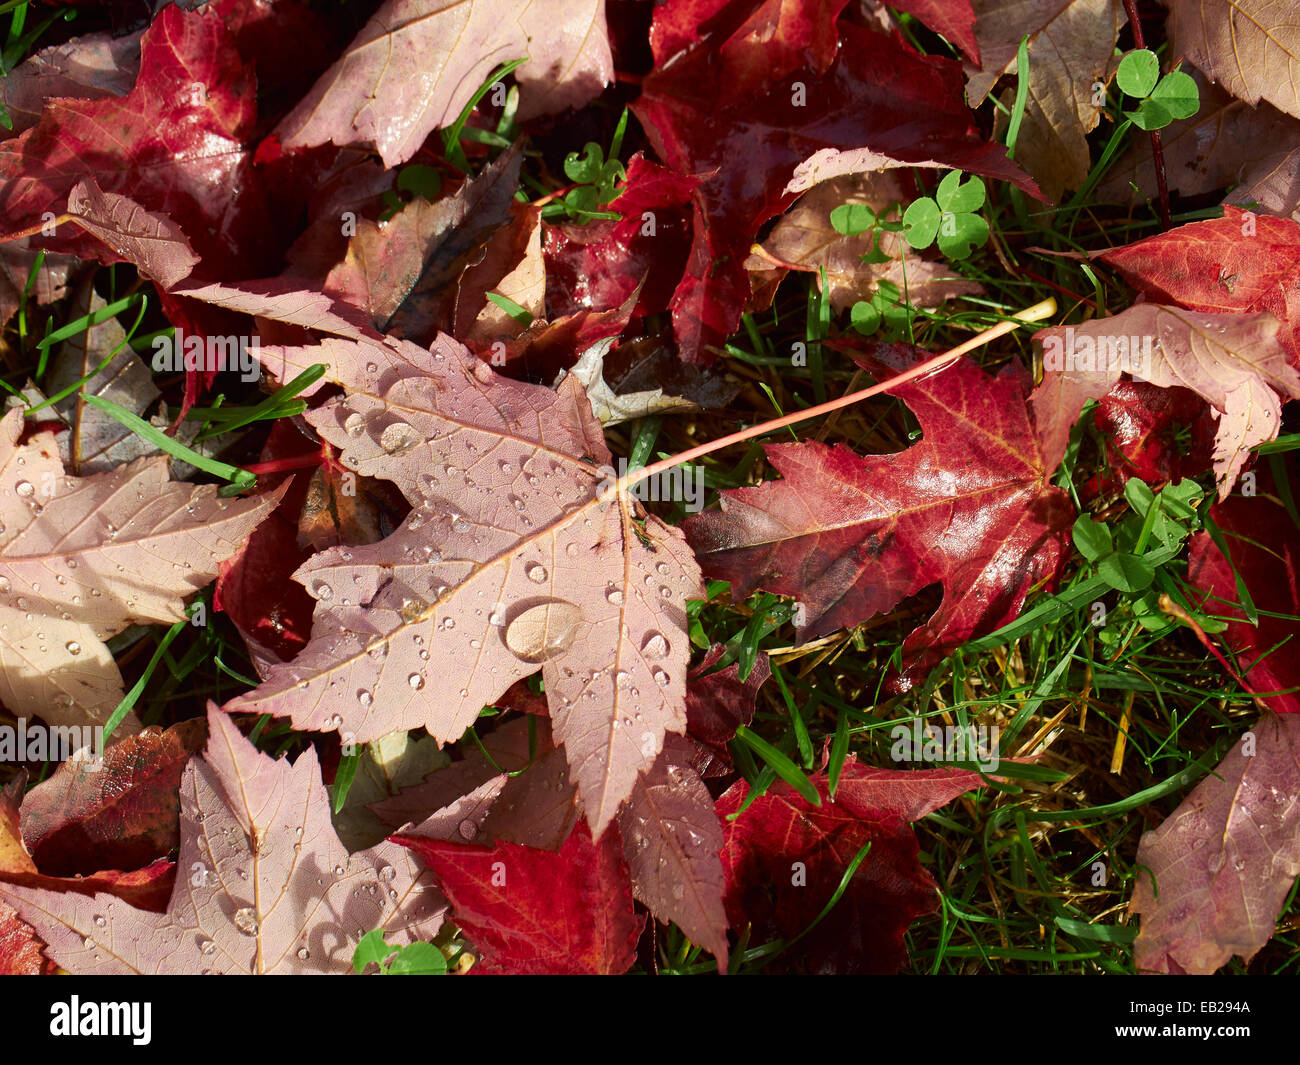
516 557
1071 46
1232 361
83 558
1251 47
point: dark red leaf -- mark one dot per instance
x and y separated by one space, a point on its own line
970 507
122 813
743 101
785 858
1265 547
175 144
1142 426
717 704
566 912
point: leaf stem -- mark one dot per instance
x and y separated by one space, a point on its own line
1043 309
1157 146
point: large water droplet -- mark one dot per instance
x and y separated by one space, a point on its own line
544 631
246 921
73 647
364 697
655 646
354 423
468 829
535 572
398 437
415 681
24 489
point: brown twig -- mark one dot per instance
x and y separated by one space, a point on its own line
1157 148
1043 309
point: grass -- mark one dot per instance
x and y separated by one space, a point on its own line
1034 873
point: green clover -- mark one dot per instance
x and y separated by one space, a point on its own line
950 217
1160 100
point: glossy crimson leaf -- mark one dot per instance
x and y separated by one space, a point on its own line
565 912
970 507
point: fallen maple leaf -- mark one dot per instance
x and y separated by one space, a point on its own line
1251 47
745 95
1241 262
1234 362
785 858
1071 49
416 63
118 813
1225 860
970 507
1262 540
174 144
83 558
566 912
266 886
515 556
671 839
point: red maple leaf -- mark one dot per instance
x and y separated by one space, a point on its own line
784 859
565 912
744 96
1241 263
970 507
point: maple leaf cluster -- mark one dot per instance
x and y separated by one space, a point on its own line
444 532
